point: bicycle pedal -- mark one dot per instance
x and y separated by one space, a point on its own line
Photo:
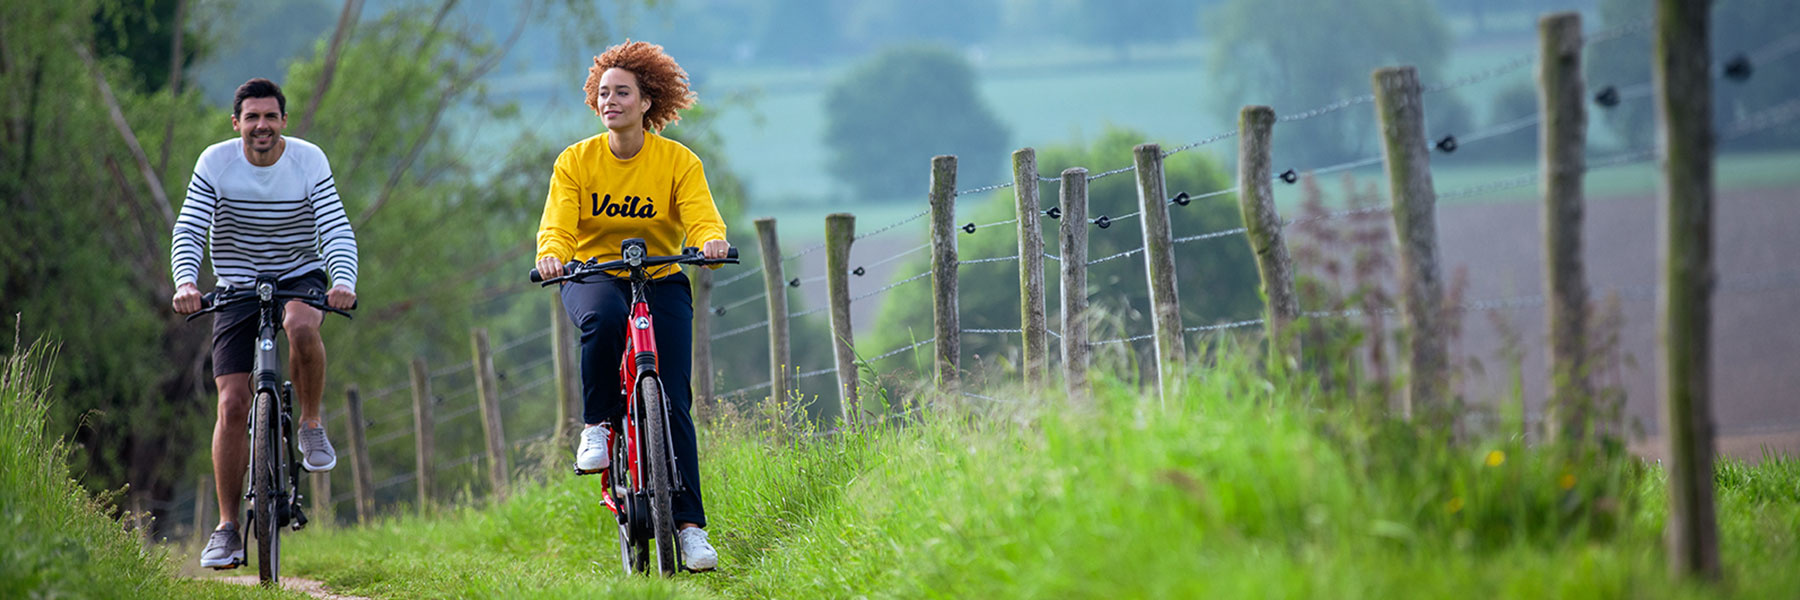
233 565
579 471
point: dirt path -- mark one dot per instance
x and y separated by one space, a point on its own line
307 586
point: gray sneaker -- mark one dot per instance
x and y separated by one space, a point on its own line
316 454
224 549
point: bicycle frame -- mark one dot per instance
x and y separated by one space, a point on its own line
279 496
265 378
633 500
637 362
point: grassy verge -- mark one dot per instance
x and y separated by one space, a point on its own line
1238 487
56 540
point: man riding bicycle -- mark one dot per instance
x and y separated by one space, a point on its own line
263 204
631 182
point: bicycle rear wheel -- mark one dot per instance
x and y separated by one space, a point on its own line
634 549
264 478
660 472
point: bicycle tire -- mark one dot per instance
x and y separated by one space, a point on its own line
660 480
263 481
634 550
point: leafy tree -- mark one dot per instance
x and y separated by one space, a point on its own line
887 117
1216 278
264 37
1295 55
144 32
86 258
85 261
1739 27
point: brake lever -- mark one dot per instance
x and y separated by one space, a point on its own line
208 303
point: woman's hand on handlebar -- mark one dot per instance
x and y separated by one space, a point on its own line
549 267
711 249
186 300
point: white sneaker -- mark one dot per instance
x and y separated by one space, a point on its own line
593 456
696 551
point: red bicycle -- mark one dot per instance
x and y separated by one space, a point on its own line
640 496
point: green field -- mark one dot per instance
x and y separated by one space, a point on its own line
1239 488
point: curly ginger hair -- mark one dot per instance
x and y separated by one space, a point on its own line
659 78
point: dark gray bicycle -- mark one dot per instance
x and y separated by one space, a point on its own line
274 470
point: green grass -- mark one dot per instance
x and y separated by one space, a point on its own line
56 539
1238 488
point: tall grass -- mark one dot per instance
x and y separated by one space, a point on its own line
1240 486
56 539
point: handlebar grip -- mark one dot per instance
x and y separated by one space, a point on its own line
732 253
568 269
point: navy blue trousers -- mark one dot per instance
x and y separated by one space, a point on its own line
600 308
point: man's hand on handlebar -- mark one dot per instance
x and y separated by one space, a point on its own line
186 300
549 268
715 249
340 297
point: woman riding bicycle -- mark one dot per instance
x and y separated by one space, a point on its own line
630 182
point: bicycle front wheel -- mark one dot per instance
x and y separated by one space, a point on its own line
660 470
264 478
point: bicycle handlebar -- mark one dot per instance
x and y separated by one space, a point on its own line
575 270
215 301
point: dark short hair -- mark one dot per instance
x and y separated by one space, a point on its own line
258 88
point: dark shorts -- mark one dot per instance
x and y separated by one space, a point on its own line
234 329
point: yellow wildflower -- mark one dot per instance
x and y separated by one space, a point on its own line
1566 481
1495 458
1454 505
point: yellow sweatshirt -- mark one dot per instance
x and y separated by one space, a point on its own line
597 201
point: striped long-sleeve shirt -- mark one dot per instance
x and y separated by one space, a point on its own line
283 219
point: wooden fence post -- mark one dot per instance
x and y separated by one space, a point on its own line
488 393
840 231
946 324
1400 108
361 471
563 345
1684 109
324 511
1562 164
780 352
701 284
206 490
1159 270
1031 269
1262 226
424 431
1072 240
